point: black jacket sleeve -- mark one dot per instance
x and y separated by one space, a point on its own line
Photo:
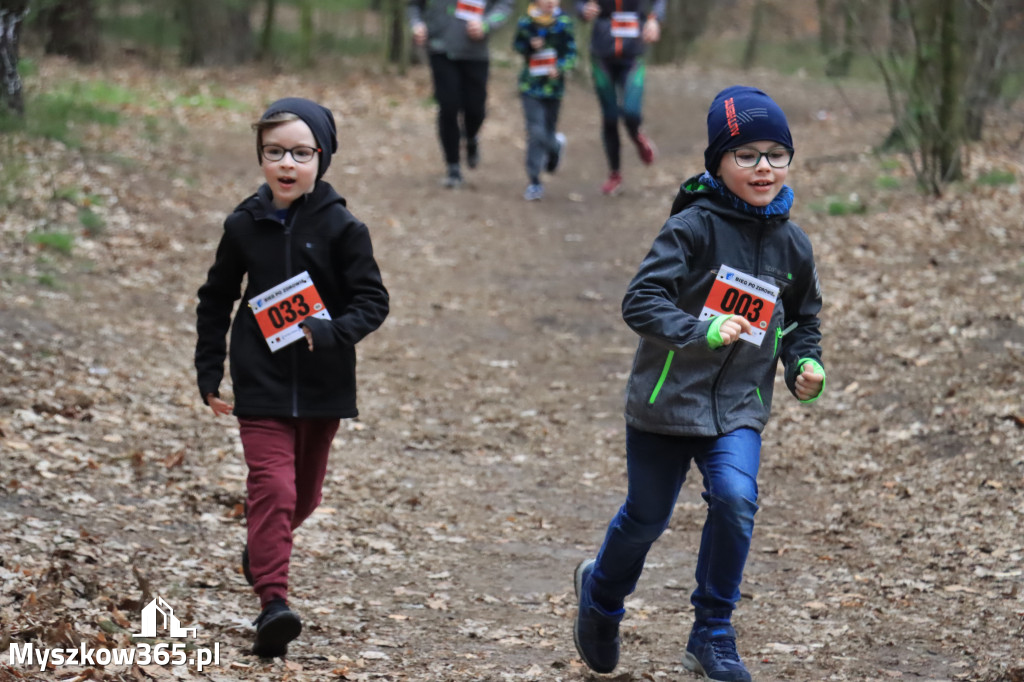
368 304
213 314
802 306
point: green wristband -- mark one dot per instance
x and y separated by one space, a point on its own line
714 332
815 367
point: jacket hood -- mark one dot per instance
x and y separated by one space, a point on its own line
261 204
691 190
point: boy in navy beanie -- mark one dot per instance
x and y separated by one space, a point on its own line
728 289
313 291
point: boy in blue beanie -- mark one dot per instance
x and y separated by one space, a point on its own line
313 290
728 288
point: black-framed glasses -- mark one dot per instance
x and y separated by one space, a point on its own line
748 157
275 152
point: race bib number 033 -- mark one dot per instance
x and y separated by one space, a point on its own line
735 293
280 309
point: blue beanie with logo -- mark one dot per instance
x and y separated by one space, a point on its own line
740 115
320 121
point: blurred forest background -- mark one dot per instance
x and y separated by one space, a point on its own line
946 64
489 453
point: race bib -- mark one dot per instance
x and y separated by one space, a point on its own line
542 61
735 293
470 10
625 25
280 309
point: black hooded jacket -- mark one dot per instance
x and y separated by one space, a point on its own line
319 236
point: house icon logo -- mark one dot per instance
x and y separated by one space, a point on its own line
160 610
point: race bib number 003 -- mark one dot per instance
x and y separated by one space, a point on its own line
280 309
735 293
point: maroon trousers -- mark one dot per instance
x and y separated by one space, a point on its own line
287 460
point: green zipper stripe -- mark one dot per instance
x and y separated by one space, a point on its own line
664 374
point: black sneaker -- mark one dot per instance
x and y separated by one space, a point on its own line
276 626
245 565
556 158
711 652
596 632
473 152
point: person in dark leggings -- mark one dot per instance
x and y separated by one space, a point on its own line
456 33
622 30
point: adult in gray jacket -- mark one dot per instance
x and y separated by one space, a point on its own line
455 33
727 290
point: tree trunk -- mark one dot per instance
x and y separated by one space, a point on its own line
267 33
215 32
754 36
996 30
950 134
396 38
836 24
71 29
684 23
12 12
305 33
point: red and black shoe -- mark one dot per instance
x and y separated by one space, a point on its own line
648 152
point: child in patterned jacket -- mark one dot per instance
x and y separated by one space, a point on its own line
544 36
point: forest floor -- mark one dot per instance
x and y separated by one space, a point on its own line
488 456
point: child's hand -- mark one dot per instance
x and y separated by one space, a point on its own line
475 29
419 34
536 42
218 406
732 328
808 383
554 72
591 10
652 30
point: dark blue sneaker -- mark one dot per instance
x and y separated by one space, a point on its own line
276 626
596 632
711 652
453 178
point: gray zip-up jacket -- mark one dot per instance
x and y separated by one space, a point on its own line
679 385
447 35
603 44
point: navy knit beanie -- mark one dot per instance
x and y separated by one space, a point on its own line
319 119
740 115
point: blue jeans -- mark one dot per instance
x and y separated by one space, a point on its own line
657 466
541 117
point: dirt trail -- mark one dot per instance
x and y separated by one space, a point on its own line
488 457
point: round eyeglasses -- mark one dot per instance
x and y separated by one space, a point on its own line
748 157
273 152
